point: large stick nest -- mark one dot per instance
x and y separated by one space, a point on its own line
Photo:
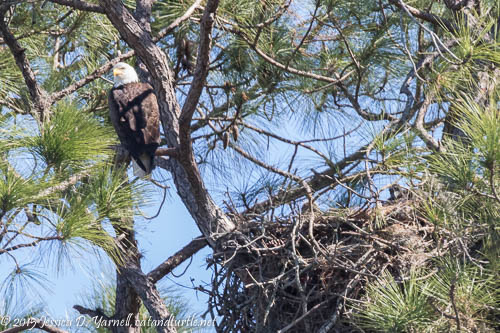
297 273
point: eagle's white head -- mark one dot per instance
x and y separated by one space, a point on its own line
124 73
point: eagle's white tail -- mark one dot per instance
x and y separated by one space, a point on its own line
146 161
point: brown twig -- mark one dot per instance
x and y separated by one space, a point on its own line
454 305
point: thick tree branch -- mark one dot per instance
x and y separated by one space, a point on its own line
172 152
149 295
208 216
143 12
200 73
178 258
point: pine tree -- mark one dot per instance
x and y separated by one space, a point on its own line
357 141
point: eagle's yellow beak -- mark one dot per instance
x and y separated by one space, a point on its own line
117 72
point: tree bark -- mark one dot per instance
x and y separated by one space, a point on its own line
210 219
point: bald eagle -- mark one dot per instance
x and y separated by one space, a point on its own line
133 110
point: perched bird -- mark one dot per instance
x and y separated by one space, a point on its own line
133 110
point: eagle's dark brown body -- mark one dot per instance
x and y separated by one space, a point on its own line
135 117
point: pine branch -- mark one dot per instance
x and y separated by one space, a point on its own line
179 20
32 244
316 183
234 28
89 78
37 94
428 17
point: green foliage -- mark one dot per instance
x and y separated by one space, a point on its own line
16 191
39 205
472 291
9 76
166 11
113 196
427 304
71 139
470 167
390 306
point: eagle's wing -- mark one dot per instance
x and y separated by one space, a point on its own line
150 116
116 114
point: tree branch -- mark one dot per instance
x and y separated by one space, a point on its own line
149 295
236 30
32 244
178 258
172 152
428 17
316 183
91 313
179 20
80 5
37 94
89 78
200 73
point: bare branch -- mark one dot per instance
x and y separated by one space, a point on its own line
178 258
172 152
149 295
92 313
32 244
316 182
